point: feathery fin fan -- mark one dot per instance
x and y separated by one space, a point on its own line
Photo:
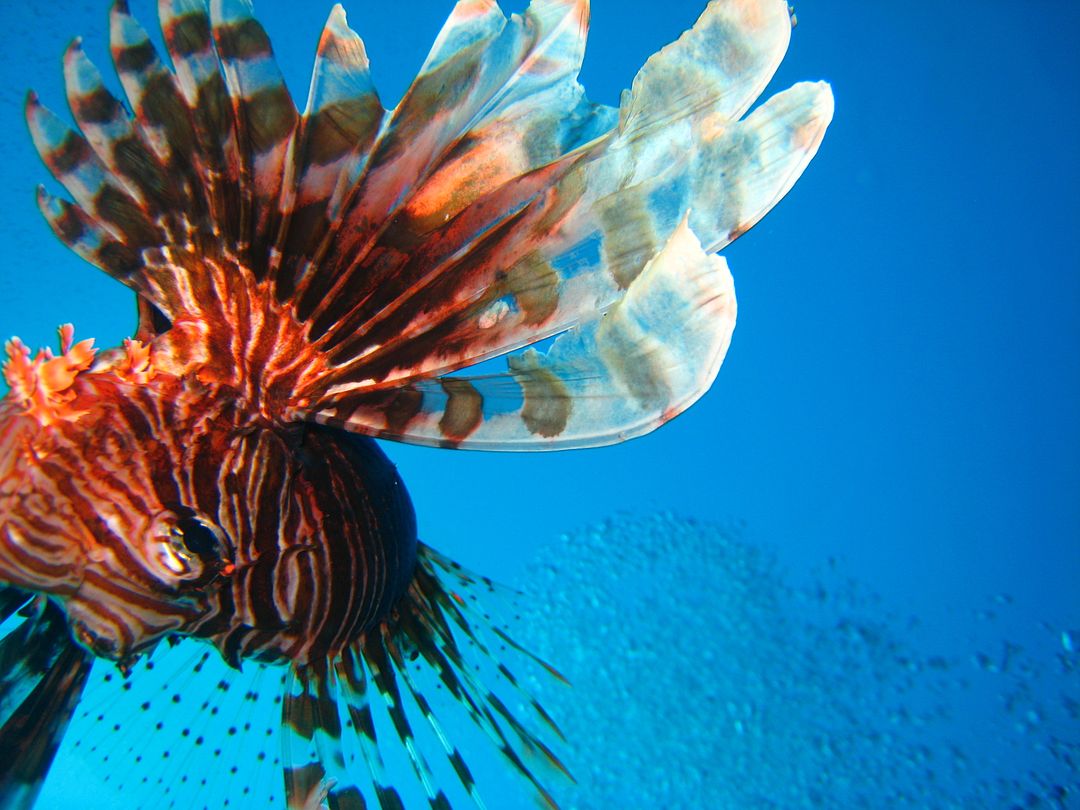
343 265
645 360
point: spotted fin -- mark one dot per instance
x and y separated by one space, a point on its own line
341 263
179 730
42 675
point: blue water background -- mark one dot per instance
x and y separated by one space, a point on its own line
903 388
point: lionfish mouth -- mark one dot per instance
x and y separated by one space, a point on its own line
307 282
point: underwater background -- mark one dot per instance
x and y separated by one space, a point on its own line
848 576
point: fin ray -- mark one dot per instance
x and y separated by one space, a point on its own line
42 675
369 257
651 356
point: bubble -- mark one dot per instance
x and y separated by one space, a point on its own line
702 678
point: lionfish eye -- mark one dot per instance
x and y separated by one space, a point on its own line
198 538
190 548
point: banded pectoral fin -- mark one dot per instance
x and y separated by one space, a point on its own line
644 361
42 675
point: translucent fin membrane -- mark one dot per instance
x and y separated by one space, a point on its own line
384 724
413 682
342 262
181 730
611 379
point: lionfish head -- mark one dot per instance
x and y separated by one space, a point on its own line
81 520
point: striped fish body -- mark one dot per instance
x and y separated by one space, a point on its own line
308 282
169 507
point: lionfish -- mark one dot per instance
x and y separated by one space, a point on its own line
308 283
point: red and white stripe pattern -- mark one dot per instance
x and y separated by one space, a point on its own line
316 532
303 278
